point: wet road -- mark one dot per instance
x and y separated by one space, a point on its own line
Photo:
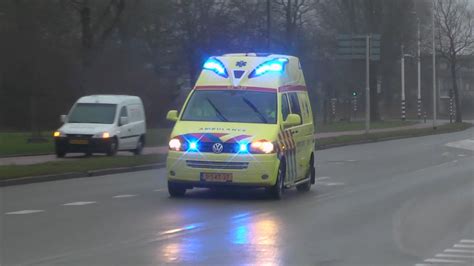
401 202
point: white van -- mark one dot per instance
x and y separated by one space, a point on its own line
102 124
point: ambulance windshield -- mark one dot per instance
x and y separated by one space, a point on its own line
232 106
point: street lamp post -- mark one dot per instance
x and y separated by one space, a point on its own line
434 64
419 68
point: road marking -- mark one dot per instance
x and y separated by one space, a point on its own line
181 229
458 250
322 178
444 261
461 155
454 256
23 212
467 241
124 196
466 144
79 203
445 153
159 189
334 184
463 246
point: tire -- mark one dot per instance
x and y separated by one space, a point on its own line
60 154
139 148
113 147
306 186
276 191
176 190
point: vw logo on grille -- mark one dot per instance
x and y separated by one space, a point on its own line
217 147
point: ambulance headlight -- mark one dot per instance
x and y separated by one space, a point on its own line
274 65
262 146
216 66
175 144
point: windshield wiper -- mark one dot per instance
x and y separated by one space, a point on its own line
254 108
217 110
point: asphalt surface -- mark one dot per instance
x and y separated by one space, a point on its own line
401 202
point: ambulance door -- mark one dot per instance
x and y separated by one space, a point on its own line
297 139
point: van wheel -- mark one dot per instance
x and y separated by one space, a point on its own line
276 191
139 148
60 154
175 190
306 186
113 147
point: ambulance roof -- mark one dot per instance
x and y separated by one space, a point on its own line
252 70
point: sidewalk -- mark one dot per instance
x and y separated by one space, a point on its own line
26 160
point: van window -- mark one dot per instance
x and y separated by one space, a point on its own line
285 108
97 113
231 106
123 112
135 113
295 104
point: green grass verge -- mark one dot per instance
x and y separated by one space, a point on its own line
78 165
407 133
360 125
16 143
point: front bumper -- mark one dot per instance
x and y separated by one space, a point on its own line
63 144
248 170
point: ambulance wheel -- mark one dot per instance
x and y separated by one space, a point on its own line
276 191
176 190
306 186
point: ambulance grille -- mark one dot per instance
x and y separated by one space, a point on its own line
217 165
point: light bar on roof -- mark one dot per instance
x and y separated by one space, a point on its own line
274 65
216 66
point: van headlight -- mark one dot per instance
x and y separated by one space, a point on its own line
59 134
102 135
262 146
175 144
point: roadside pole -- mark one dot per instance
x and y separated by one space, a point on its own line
403 85
367 84
434 66
419 68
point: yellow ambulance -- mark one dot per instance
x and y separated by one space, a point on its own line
246 123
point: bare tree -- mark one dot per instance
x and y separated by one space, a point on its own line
455 37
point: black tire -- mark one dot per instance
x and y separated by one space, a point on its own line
60 154
139 148
276 191
175 190
113 147
88 154
306 186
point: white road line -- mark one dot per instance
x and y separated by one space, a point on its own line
467 241
445 153
124 196
467 144
458 250
463 246
442 255
461 155
334 184
23 212
79 203
159 189
444 261
322 178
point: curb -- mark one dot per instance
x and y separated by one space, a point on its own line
64 176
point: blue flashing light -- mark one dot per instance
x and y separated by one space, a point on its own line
193 146
216 66
243 147
274 65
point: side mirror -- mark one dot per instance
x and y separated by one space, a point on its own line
63 118
123 120
292 120
172 115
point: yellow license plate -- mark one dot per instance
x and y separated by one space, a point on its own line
79 141
216 177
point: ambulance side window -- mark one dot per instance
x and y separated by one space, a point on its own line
295 104
285 108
